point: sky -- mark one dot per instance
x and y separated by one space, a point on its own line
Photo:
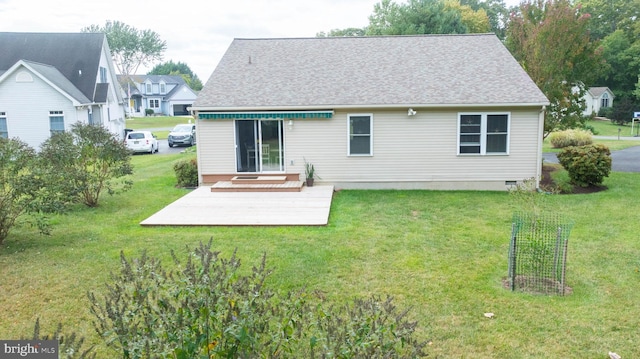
197 32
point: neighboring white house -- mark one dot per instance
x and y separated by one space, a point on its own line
596 98
167 95
399 112
48 81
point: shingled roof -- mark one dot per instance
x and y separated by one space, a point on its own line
76 56
428 70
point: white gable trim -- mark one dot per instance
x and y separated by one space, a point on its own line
22 63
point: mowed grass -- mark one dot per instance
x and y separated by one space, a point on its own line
442 254
604 128
138 123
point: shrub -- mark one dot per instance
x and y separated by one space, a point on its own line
70 345
88 160
28 192
210 308
586 165
149 112
605 112
572 137
187 173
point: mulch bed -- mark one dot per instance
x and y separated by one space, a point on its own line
547 183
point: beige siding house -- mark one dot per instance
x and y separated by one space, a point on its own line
398 112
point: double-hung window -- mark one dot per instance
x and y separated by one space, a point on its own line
56 121
360 135
154 103
483 133
4 132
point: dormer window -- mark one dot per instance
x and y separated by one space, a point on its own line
148 87
103 75
163 88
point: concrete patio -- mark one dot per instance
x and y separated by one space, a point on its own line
201 207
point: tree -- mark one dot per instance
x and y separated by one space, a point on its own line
130 47
180 68
623 62
608 16
350 31
416 17
551 41
496 12
425 17
88 160
25 189
617 23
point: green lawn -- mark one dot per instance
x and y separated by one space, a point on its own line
608 128
137 123
443 254
604 128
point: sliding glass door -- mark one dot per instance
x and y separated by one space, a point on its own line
259 146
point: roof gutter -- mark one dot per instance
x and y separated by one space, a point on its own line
380 106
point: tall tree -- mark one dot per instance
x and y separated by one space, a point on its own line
425 17
611 15
430 17
551 41
496 11
617 23
178 68
130 47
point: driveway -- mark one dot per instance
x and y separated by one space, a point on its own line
627 160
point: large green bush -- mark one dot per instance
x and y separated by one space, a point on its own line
586 165
28 191
572 137
89 160
187 173
209 308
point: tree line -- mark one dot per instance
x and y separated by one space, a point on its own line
566 46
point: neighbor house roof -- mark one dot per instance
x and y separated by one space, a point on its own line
76 56
176 80
428 70
598 91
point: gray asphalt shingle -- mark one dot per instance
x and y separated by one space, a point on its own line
430 70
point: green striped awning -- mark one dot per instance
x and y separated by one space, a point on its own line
264 115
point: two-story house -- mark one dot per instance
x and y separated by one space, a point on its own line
167 95
48 81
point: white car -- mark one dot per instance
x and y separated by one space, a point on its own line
141 141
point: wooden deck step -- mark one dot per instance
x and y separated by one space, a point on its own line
259 179
230 186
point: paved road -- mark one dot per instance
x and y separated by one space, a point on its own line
627 160
164 149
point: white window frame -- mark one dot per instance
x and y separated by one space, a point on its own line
153 101
484 133
147 88
4 128
370 135
163 88
56 114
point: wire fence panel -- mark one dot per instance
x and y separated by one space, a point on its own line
538 254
